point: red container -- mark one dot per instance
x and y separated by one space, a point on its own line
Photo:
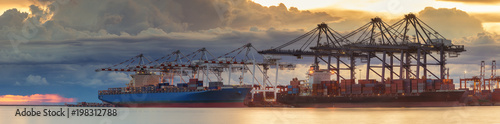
437 86
349 81
372 81
193 80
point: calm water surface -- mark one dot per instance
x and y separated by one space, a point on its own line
466 115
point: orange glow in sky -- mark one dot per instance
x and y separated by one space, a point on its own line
35 99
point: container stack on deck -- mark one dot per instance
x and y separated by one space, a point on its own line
447 84
194 84
495 97
325 88
293 88
163 85
356 89
417 85
373 87
387 87
429 85
397 86
346 86
331 87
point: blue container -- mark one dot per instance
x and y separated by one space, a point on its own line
192 85
289 92
200 83
182 85
429 81
290 86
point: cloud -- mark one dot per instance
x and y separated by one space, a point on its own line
350 20
11 21
66 41
112 78
35 99
153 42
479 39
451 23
487 17
482 46
34 80
56 20
474 1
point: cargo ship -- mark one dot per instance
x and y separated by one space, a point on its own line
320 91
424 99
145 90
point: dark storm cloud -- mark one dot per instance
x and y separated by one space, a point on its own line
74 61
111 48
73 19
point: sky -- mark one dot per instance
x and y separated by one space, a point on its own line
51 48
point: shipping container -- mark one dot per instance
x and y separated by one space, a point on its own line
215 84
193 80
294 83
371 81
182 85
192 85
200 83
369 85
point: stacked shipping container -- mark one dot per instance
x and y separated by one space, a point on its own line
346 86
417 85
294 88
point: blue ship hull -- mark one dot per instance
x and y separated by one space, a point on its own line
230 97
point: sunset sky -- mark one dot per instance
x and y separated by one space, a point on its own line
52 47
